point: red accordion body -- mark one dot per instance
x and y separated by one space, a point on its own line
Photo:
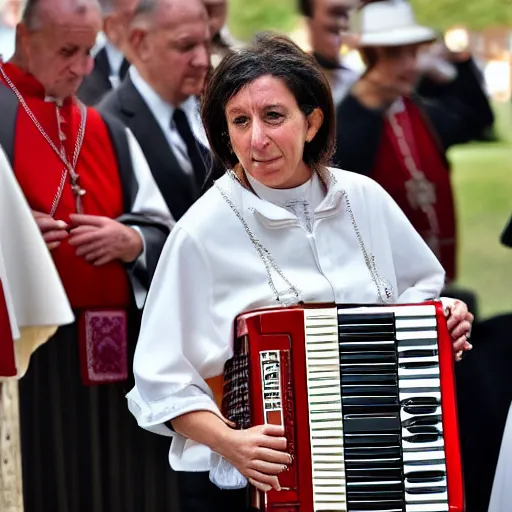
367 399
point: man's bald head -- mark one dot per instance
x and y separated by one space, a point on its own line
40 12
54 42
151 13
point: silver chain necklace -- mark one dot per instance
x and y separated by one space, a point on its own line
69 168
271 265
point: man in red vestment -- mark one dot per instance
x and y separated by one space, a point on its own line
397 130
105 222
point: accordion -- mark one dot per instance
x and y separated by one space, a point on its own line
366 395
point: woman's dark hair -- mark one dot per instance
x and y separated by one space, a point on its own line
278 56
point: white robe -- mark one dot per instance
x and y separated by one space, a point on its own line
501 496
210 272
36 301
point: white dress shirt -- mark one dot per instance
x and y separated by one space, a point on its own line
209 273
163 113
115 60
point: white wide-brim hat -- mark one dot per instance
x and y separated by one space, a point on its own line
391 23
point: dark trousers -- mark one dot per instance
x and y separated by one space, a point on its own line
198 494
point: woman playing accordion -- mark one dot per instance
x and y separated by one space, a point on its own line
280 228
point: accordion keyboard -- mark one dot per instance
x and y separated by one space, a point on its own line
375 410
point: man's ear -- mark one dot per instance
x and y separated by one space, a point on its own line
139 43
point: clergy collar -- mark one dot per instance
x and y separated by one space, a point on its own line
248 203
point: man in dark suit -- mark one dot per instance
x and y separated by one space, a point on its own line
169 50
110 62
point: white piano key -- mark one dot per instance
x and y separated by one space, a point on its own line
323 425
405 415
330 435
320 465
414 323
425 359
418 372
331 493
419 383
403 348
426 507
427 455
416 335
400 311
339 506
329 476
407 446
316 384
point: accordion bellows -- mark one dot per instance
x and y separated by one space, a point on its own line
367 399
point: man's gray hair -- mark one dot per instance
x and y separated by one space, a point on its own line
31 12
144 12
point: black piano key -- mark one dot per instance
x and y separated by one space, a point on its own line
423 438
418 365
366 328
373 452
423 405
388 379
415 477
371 412
373 473
355 425
368 357
362 400
357 319
353 391
387 490
355 440
377 506
421 421
427 490
369 337
418 353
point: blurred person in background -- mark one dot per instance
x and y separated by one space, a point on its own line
110 62
328 23
222 40
169 42
10 12
396 129
104 222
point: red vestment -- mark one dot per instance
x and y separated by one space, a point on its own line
39 171
7 358
429 208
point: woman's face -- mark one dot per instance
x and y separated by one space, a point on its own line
268 132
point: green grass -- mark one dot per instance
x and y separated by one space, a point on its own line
482 181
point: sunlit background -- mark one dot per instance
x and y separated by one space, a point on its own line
482 172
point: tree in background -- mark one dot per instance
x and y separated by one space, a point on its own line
474 14
246 17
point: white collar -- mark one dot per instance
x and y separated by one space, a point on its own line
274 216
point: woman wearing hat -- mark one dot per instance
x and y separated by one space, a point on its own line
397 133
281 227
